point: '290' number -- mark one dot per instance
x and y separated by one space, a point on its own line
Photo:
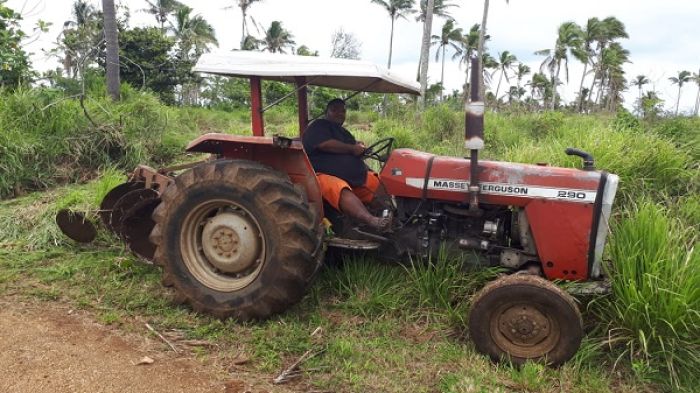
571 195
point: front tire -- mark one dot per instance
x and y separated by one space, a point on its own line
236 239
523 317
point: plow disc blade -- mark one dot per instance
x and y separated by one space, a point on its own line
112 198
125 204
131 220
76 226
136 226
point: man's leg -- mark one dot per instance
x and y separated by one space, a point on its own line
353 207
339 194
373 193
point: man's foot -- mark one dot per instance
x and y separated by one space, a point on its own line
382 224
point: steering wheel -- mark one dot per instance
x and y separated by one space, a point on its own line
379 150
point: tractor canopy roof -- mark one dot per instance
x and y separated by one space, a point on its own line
329 72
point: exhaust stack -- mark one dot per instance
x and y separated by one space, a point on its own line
474 134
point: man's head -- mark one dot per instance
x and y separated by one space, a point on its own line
335 111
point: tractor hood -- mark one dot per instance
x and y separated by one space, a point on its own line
342 74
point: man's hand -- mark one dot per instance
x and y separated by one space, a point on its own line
358 149
336 146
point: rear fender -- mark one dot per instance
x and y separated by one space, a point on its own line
283 154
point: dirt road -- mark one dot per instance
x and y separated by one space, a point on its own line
56 350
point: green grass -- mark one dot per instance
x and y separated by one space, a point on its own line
656 305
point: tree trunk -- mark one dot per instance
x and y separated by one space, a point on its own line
425 48
391 43
678 100
442 74
480 50
110 29
498 87
596 71
554 86
580 89
467 96
697 99
243 29
599 95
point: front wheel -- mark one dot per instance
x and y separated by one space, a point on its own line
523 317
236 239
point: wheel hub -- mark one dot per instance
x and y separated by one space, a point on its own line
230 242
524 325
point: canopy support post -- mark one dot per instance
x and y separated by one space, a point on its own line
302 102
256 113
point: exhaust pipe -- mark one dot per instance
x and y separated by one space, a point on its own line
474 134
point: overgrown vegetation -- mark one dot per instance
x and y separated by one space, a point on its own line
379 319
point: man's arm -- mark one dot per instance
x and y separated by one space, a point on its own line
338 147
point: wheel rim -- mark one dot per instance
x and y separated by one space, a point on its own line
524 330
222 245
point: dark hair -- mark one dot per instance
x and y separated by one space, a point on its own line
334 102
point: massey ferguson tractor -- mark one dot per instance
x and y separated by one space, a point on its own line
242 233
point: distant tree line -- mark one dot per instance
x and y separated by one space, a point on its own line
160 58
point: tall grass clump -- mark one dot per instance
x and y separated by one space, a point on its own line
440 123
366 286
645 162
48 139
655 305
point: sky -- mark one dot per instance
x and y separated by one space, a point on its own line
664 35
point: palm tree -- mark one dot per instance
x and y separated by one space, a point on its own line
79 38
505 62
521 72
589 35
540 87
251 43
243 5
651 104
396 9
112 44
482 40
568 41
640 81
277 38
192 33
439 9
680 80
162 9
490 65
470 44
612 73
424 52
696 79
605 34
450 36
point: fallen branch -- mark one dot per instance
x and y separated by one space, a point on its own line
292 371
161 337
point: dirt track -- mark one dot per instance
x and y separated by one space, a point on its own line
55 350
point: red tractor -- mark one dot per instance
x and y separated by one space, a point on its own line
242 234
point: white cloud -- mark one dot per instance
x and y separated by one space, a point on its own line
663 35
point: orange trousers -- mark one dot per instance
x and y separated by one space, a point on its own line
332 187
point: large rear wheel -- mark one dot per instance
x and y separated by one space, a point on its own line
524 317
236 239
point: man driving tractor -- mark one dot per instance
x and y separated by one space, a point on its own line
336 156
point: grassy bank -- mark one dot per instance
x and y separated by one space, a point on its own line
397 327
